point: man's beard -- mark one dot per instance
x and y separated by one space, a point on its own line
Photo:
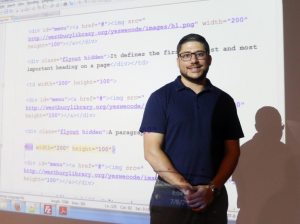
195 80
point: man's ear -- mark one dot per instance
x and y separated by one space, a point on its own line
209 59
177 59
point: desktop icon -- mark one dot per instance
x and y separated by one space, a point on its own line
63 210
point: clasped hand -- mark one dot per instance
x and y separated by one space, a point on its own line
199 197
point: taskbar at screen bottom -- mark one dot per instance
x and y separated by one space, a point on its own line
78 213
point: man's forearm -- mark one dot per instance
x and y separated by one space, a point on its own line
228 165
164 168
160 162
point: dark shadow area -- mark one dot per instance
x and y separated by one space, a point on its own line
261 172
283 206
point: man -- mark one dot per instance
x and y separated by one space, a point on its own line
191 139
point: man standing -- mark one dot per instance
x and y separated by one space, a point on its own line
191 139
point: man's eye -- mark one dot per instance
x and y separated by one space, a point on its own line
186 55
200 54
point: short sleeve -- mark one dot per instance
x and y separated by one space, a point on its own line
228 118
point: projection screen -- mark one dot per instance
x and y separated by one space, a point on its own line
75 77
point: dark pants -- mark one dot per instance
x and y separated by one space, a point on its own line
168 207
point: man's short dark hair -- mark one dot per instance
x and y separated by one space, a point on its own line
193 37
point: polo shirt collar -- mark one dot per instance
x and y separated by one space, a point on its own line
179 85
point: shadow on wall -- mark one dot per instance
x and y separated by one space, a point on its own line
268 175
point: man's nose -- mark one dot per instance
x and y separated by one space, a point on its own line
194 58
